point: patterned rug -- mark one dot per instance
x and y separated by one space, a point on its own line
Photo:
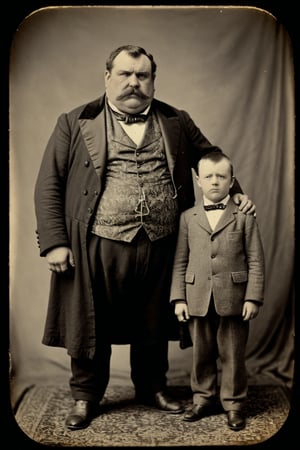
43 409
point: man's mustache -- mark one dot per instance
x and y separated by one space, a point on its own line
130 92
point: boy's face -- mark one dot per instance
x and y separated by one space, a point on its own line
215 179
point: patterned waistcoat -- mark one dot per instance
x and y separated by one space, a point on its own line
138 190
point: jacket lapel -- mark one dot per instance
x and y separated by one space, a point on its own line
202 218
227 217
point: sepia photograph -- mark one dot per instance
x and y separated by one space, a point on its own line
152 226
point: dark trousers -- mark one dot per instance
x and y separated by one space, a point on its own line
132 282
225 338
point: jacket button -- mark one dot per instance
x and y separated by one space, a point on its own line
85 192
96 193
213 256
90 210
86 163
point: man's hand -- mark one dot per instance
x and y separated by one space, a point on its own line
60 259
245 204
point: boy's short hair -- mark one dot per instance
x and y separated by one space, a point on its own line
216 156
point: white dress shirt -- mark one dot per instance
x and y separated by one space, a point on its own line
214 215
134 130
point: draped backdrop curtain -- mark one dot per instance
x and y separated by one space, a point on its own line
232 69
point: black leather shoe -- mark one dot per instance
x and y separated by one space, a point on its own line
197 412
235 420
164 402
81 415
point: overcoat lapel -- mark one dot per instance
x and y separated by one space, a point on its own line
94 135
170 129
93 132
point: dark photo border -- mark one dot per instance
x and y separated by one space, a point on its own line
18 10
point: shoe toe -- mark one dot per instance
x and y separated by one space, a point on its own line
74 422
80 415
197 412
235 420
164 402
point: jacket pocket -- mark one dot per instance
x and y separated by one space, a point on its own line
189 277
234 236
239 277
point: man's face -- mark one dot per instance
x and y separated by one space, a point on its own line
215 179
130 85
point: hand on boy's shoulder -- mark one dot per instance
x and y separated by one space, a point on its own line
245 204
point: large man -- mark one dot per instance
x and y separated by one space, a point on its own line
110 188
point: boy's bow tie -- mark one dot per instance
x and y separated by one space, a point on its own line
214 206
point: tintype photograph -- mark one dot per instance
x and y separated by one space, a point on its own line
151 251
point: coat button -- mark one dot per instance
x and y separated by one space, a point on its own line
86 163
90 210
85 192
213 256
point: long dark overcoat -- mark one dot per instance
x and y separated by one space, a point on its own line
67 191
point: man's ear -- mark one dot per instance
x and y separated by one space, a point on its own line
106 75
232 181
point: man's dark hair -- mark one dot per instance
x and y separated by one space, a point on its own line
216 156
134 51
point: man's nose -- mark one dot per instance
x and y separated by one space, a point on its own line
133 80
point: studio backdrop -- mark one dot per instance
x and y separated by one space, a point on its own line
232 69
